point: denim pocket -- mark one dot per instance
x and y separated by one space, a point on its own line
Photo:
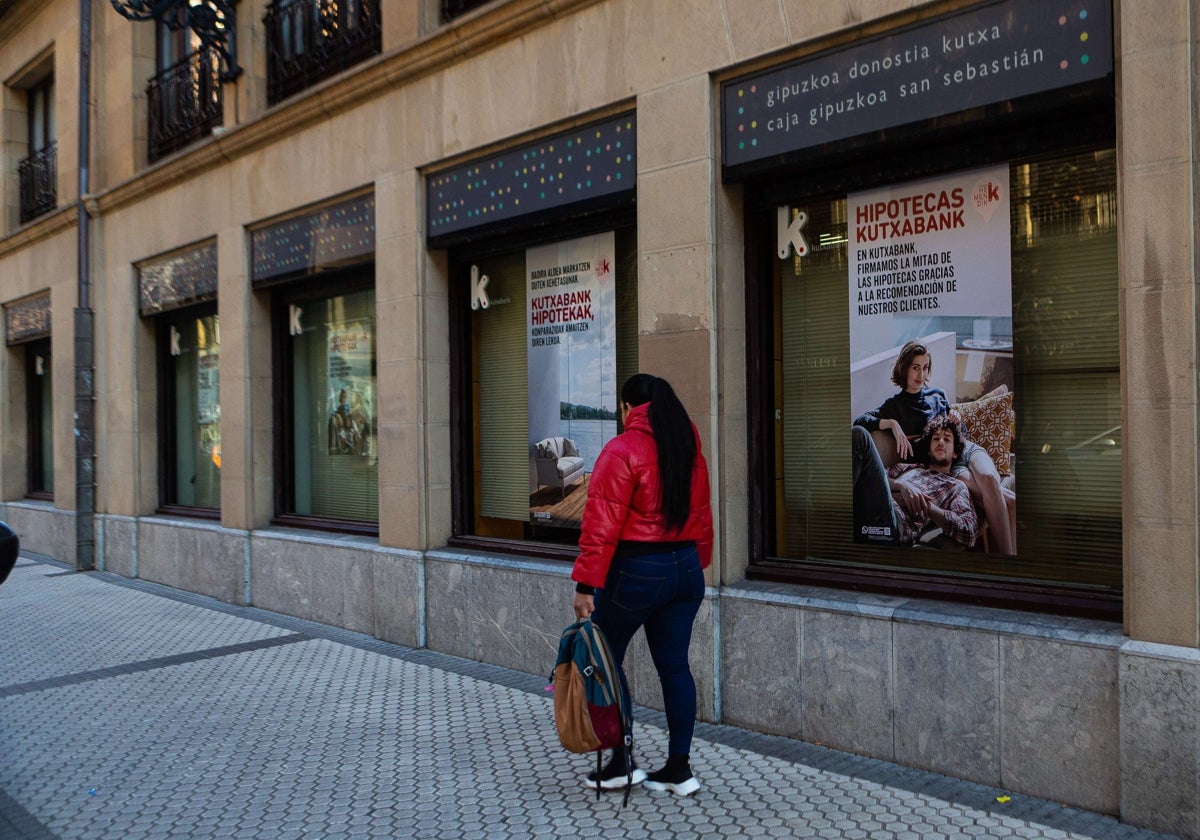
636 592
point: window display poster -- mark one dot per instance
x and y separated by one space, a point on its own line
572 370
208 400
351 389
930 261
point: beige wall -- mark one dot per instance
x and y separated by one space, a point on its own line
1158 158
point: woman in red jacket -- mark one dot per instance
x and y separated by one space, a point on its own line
647 535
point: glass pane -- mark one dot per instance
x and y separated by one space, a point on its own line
335 453
41 437
197 413
546 373
1057 357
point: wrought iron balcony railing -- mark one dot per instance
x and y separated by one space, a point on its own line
39 183
186 102
311 40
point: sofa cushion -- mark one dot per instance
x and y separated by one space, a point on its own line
568 465
991 423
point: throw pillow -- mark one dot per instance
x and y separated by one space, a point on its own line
991 423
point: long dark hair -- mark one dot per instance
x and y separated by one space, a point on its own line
675 440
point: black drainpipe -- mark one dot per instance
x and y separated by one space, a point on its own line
85 351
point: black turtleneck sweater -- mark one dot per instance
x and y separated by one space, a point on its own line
912 411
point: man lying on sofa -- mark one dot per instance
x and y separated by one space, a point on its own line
904 503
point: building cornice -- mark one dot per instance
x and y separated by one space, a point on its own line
44 227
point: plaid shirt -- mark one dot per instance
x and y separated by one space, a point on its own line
948 493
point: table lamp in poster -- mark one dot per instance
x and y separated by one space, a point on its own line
351 389
930 262
572 371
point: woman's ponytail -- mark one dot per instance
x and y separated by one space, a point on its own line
675 439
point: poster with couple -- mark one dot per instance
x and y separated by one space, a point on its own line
931 338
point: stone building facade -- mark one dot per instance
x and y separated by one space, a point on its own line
313 271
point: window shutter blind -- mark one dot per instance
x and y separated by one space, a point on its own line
503 403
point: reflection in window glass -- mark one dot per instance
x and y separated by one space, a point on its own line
334 455
195 434
39 386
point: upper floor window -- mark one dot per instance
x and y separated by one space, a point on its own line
456 8
39 170
185 96
311 40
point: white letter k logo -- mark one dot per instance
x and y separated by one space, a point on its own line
479 297
790 235
294 327
174 341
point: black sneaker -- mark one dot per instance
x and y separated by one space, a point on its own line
678 780
614 775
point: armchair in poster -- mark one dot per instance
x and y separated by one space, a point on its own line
931 363
571 355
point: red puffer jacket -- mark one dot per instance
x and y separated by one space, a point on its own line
623 501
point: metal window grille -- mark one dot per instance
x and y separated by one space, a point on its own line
186 102
39 183
311 40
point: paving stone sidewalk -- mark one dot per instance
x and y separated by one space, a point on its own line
131 710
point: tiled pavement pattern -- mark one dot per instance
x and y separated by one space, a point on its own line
130 710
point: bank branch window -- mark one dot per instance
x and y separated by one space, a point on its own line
1005 277
330 442
552 335
191 352
39 387
318 266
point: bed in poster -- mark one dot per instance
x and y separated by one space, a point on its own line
572 371
931 373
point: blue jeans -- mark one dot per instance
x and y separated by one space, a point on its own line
661 592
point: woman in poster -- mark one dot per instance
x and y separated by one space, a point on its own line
905 415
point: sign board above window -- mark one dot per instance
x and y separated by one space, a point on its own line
27 319
333 236
987 54
178 280
586 164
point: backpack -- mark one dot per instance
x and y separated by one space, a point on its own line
590 711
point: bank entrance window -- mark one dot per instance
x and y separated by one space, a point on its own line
189 354
989 294
548 340
39 390
329 453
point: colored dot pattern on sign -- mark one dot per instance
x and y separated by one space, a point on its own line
1083 57
745 128
334 234
586 163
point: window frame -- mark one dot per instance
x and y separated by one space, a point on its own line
357 278
167 441
988 135
462 406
